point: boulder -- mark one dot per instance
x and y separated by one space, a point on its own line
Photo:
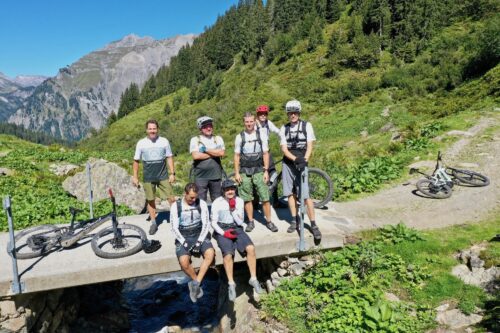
6 172
62 169
455 319
106 175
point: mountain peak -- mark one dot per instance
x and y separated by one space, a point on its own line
128 41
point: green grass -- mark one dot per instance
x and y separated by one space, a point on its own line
416 266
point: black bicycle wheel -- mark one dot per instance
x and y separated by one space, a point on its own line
105 245
36 241
320 187
428 188
470 177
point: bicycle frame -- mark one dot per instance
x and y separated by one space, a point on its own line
439 176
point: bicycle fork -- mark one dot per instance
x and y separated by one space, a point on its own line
304 178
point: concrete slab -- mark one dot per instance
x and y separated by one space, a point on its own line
80 266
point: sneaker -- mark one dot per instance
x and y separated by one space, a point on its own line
250 226
292 227
271 226
315 231
153 229
231 291
194 290
200 293
256 285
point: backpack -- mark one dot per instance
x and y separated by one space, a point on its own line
243 141
179 207
301 129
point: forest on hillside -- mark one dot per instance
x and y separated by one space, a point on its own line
366 31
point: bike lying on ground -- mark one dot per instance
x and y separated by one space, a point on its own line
115 241
439 185
320 185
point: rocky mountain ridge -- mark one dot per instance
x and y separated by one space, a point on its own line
83 95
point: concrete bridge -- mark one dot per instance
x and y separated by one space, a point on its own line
80 266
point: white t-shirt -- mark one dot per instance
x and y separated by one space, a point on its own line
222 214
189 217
251 143
294 132
213 142
153 153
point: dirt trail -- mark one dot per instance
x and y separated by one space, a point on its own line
400 204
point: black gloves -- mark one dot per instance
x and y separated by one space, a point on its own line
300 163
196 248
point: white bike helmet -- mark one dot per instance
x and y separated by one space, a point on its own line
202 121
293 106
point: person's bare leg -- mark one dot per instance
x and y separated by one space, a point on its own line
310 209
292 204
251 261
249 210
151 206
228 267
208 257
266 206
186 266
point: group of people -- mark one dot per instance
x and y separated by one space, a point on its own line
190 218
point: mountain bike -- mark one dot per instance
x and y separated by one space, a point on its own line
320 185
439 185
115 241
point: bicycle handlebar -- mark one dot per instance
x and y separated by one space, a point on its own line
110 191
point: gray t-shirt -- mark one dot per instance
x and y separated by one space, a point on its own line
153 155
209 169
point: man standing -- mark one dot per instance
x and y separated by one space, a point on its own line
266 126
251 166
191 224
155 153
207 150
297 138
227 222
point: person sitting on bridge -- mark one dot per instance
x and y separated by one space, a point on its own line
251 166
190 223
227 221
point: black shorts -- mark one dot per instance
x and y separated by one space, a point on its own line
180 250
228 246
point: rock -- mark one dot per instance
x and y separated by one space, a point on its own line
387 127
4 153
269 285
475 262
308 263
293 260
276 283
441 330
275 276
478 276
281 272
13 325
385 112
443 307
62 169
455 319
8 308
296 269
459 133
391 297
306 258
174 329
6 172
106 175
284 264
363 133
396 136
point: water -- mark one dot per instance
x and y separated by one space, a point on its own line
156 302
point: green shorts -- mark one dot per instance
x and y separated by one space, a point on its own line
248 183
164 190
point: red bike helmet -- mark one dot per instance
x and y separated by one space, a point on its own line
262 108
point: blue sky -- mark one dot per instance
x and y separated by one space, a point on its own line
37 37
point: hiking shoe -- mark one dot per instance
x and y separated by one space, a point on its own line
231 290
256 285
292 227
153 229
194 290
271 226
315 231
250 226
